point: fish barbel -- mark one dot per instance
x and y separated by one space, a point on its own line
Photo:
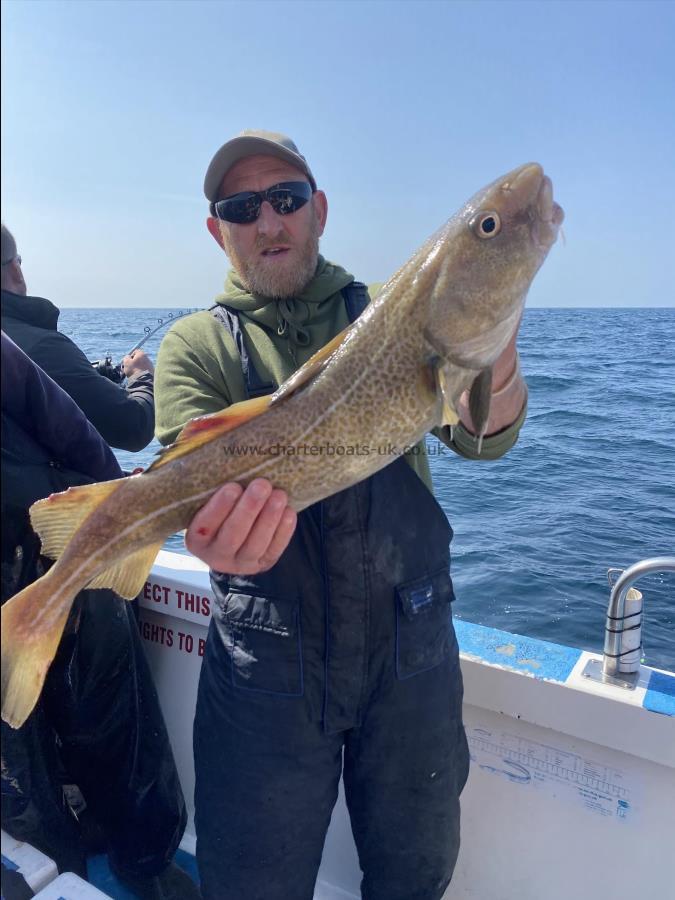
432 332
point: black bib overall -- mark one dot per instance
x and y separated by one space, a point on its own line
340 659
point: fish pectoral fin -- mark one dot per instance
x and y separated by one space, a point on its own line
56 518
479 404
450 416
128 576
28 649
309 371
203 429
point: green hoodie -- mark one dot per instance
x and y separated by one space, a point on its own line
199 369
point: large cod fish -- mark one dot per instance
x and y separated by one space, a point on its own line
433 331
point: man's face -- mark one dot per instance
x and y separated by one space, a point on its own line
275 256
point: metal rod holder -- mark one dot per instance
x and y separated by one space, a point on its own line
614 630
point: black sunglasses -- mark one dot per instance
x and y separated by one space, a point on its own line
284 198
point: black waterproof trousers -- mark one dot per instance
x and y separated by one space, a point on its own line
98 724
342 659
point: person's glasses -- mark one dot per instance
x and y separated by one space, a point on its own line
16 259
284 198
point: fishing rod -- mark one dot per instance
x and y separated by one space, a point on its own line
113 372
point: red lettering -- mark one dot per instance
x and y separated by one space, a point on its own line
156 634
185 642
193 603
160 593
201 646
146 590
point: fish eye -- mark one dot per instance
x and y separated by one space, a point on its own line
486 225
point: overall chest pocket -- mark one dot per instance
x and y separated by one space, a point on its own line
265 643
423 623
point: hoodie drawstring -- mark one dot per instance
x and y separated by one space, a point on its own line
292 314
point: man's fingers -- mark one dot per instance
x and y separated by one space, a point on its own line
236 529
242 532
205 524
263 530
281 539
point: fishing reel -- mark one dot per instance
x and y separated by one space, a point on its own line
109 370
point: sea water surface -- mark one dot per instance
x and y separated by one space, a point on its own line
589 485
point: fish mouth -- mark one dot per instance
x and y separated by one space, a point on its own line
548 216
547 209
532 190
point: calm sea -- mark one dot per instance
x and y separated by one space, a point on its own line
590 484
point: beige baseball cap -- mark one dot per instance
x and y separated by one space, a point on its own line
250 143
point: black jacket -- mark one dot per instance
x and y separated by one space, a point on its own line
47 446
124 417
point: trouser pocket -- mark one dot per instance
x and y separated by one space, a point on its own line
423 629
263 639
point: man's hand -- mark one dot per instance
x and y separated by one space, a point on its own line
242 532
136 363
509 392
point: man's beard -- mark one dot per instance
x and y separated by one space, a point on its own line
284 278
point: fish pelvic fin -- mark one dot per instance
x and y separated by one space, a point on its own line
479 404
128 576
203 429
450 416
56 518
27 648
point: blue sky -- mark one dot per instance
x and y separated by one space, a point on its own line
111 112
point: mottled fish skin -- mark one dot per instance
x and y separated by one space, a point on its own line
452 307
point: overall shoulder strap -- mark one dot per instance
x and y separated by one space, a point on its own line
229 317
356 299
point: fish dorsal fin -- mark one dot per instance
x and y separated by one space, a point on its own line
309 371
56 518
203 429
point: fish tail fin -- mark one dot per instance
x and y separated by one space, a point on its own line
30 638
33 622
56 518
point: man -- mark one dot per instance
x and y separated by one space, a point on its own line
98 718
317 663
124 417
